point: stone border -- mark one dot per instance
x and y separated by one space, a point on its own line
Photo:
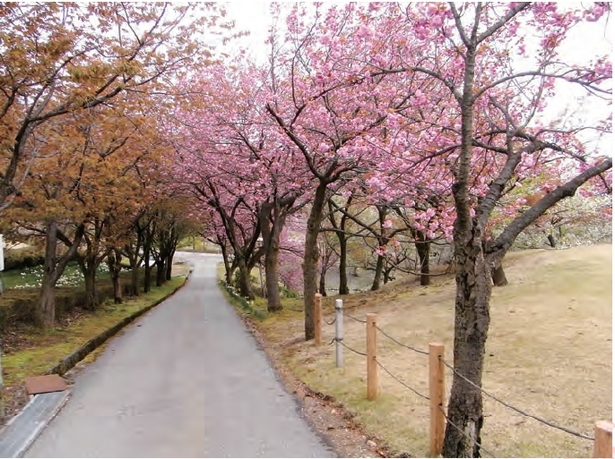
73 359
23 429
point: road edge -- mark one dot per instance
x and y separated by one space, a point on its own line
66 365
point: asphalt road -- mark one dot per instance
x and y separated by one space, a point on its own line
186 380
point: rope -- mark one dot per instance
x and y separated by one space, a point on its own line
539 419
332 322
466 435
400 381
401 344
349 348
354 318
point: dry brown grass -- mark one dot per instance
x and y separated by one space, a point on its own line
548 352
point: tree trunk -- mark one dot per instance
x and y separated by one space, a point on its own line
52 270
160 272
272 217
465 407
499 276
169 266
552 241
134 280
147 277
423 246
91 295
343 240
46 315
272 285
134 258
386 273
228 272
378 275
322 283
310 258
473 291
244 285
114 260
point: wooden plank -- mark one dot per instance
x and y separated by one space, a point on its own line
372 350
436 398
603 439
317 319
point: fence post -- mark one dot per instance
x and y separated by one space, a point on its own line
339 333
603 439
372 350
317 319
436 398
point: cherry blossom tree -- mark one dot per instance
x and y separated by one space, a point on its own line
328 110
500 132
479 122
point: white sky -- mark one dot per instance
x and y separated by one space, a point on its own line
254 17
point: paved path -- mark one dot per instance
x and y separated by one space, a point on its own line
186 380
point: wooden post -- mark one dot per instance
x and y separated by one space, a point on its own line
603 439
317 319
436 398
339 333
372 365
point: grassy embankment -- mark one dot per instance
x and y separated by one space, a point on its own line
548 352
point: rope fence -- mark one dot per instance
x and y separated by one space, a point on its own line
473 440
354 318
330 323
396 378
351 349
521 412
436 364
418 351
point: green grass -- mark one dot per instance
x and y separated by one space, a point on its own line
256 308
32 277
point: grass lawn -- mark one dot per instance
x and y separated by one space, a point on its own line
548 353
32 277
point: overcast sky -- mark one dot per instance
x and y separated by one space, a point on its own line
584 40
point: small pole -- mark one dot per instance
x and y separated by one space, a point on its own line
603 439
317 319
436 398
339 333
372 365
2 412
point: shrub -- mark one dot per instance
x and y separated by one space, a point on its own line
18 305
240 301
22 258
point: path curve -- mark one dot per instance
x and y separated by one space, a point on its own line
185 380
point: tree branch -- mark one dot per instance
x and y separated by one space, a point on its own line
505 240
